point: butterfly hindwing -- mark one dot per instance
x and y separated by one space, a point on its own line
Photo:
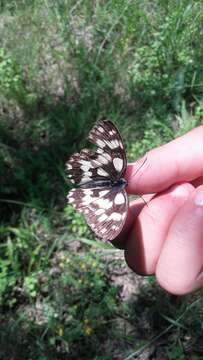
105 209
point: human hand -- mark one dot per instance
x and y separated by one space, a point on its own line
165 236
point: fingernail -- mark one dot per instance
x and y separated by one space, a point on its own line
179 191
198 199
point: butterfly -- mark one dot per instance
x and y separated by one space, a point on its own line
99 176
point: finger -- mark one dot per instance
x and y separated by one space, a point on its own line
146 239
135 208
180 266
178 161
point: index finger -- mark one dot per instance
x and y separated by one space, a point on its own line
180 160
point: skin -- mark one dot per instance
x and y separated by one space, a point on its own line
164 234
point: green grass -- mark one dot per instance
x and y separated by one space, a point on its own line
63 65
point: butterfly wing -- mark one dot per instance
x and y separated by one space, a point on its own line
110 145
103 204
108 162
105 209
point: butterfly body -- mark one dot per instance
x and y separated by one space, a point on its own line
121 183
99 176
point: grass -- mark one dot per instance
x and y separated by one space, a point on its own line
63 65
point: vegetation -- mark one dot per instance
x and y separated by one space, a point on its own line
63 65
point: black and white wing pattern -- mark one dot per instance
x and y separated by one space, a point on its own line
105 209
110 146
107 162
101 196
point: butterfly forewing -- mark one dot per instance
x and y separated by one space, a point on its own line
81 166
105 135
105 209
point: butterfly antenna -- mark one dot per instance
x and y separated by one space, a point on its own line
140 166
136 173
146 203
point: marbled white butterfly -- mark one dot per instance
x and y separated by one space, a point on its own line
101 194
